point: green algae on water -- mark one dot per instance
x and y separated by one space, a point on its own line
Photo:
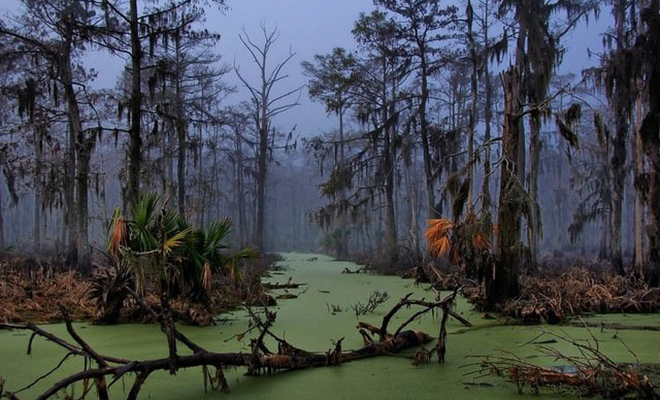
308 323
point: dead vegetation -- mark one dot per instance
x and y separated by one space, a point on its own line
370 304
32 291
589 372
555 297
261 360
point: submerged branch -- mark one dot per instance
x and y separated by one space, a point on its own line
259 361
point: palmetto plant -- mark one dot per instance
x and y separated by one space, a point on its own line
160 248
455 240
467 243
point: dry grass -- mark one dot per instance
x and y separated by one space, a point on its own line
577 291
557 296
34 294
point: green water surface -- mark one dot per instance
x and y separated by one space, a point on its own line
307 323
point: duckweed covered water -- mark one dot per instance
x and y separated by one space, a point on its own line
308 323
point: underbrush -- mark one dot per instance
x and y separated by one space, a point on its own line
381 264
558 294
33 291
557 297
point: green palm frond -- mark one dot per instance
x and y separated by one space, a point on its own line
175 241
144 210
231 266
245 253
159 245
217 232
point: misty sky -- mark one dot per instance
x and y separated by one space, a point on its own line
310 27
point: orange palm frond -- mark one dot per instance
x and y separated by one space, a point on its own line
437 229
117 236
207 277
438 236
440 247
480 242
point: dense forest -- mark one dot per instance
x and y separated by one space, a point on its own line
449 111
459 145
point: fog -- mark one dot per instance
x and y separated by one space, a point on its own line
214 170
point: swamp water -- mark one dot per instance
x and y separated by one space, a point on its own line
307 322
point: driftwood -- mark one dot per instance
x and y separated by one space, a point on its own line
589 373
287 285
261 360
350 271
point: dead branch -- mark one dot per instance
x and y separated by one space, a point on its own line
287 285
591 373
260 361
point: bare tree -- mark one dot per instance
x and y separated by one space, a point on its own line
266 105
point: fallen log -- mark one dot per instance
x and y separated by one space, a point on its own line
350 271
260 361
288 285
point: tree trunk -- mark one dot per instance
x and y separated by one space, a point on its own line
82 178
181 133
651 143
638 266
391 245
618 181
472 121
2 225
261 186
503 284
69 200
135 144
426 148
242 220
342 251
619 149
653 227
411 185
201 187
389 155
83 148
559 204
486 201
181 165
488 117
534 223
36 230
